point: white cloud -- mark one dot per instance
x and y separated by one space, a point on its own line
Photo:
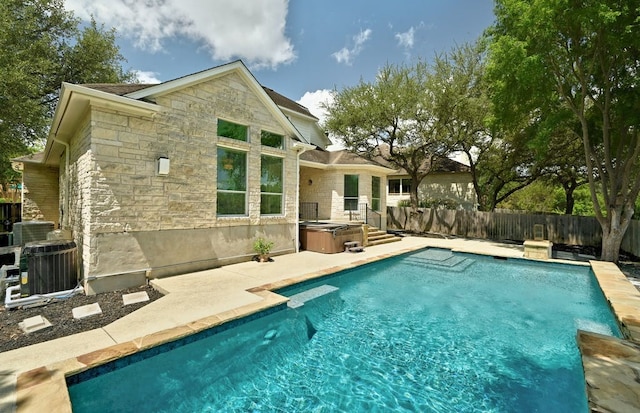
346 55
314 100
406 39
147 78
251 30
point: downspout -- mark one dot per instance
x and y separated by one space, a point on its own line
66 211
300 148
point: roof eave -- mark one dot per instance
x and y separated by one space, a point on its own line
74 102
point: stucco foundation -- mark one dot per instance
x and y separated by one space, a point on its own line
127 259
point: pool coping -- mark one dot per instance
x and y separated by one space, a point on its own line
45 389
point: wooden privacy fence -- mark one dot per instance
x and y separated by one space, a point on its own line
560 229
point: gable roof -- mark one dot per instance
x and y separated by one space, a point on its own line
140 99
287 103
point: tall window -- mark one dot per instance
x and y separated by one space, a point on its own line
399 186
232 182
351 192
270 185
272 139
375 193
232 130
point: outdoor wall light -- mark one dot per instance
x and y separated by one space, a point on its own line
163 166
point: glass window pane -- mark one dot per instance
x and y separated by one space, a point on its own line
232 170
271 139
406 186
351 185
270 204
394 186
271 174
375 193
232 182
230 203
375 186
232 130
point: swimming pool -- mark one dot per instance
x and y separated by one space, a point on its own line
428 331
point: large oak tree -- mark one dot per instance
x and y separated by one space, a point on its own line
585 55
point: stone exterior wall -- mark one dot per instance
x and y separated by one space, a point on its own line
134 223
327 189
40 197
456 186
316 186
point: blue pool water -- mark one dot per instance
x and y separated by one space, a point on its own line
431 331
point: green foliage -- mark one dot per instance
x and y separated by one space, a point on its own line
393 119
580 57
543 197
537 197
41 46
262 246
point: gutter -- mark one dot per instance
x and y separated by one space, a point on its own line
65 212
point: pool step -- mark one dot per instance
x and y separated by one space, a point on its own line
298 300
453 263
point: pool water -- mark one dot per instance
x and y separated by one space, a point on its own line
431 331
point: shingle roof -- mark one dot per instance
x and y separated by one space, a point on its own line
33 157
285 102
119 89
442 165
342 157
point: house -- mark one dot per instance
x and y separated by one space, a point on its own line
156 180
450 183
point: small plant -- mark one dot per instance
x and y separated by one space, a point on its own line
262 247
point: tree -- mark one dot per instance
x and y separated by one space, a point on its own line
500 161
585 56
566 165
392 119
41 46
504 164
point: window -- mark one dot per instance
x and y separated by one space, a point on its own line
272 139
399 186
232 130
351 192
270 185
375 193
232 182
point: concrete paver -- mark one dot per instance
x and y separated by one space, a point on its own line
86 311
133 298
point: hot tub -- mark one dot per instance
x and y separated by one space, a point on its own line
328 237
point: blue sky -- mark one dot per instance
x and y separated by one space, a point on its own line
300 48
